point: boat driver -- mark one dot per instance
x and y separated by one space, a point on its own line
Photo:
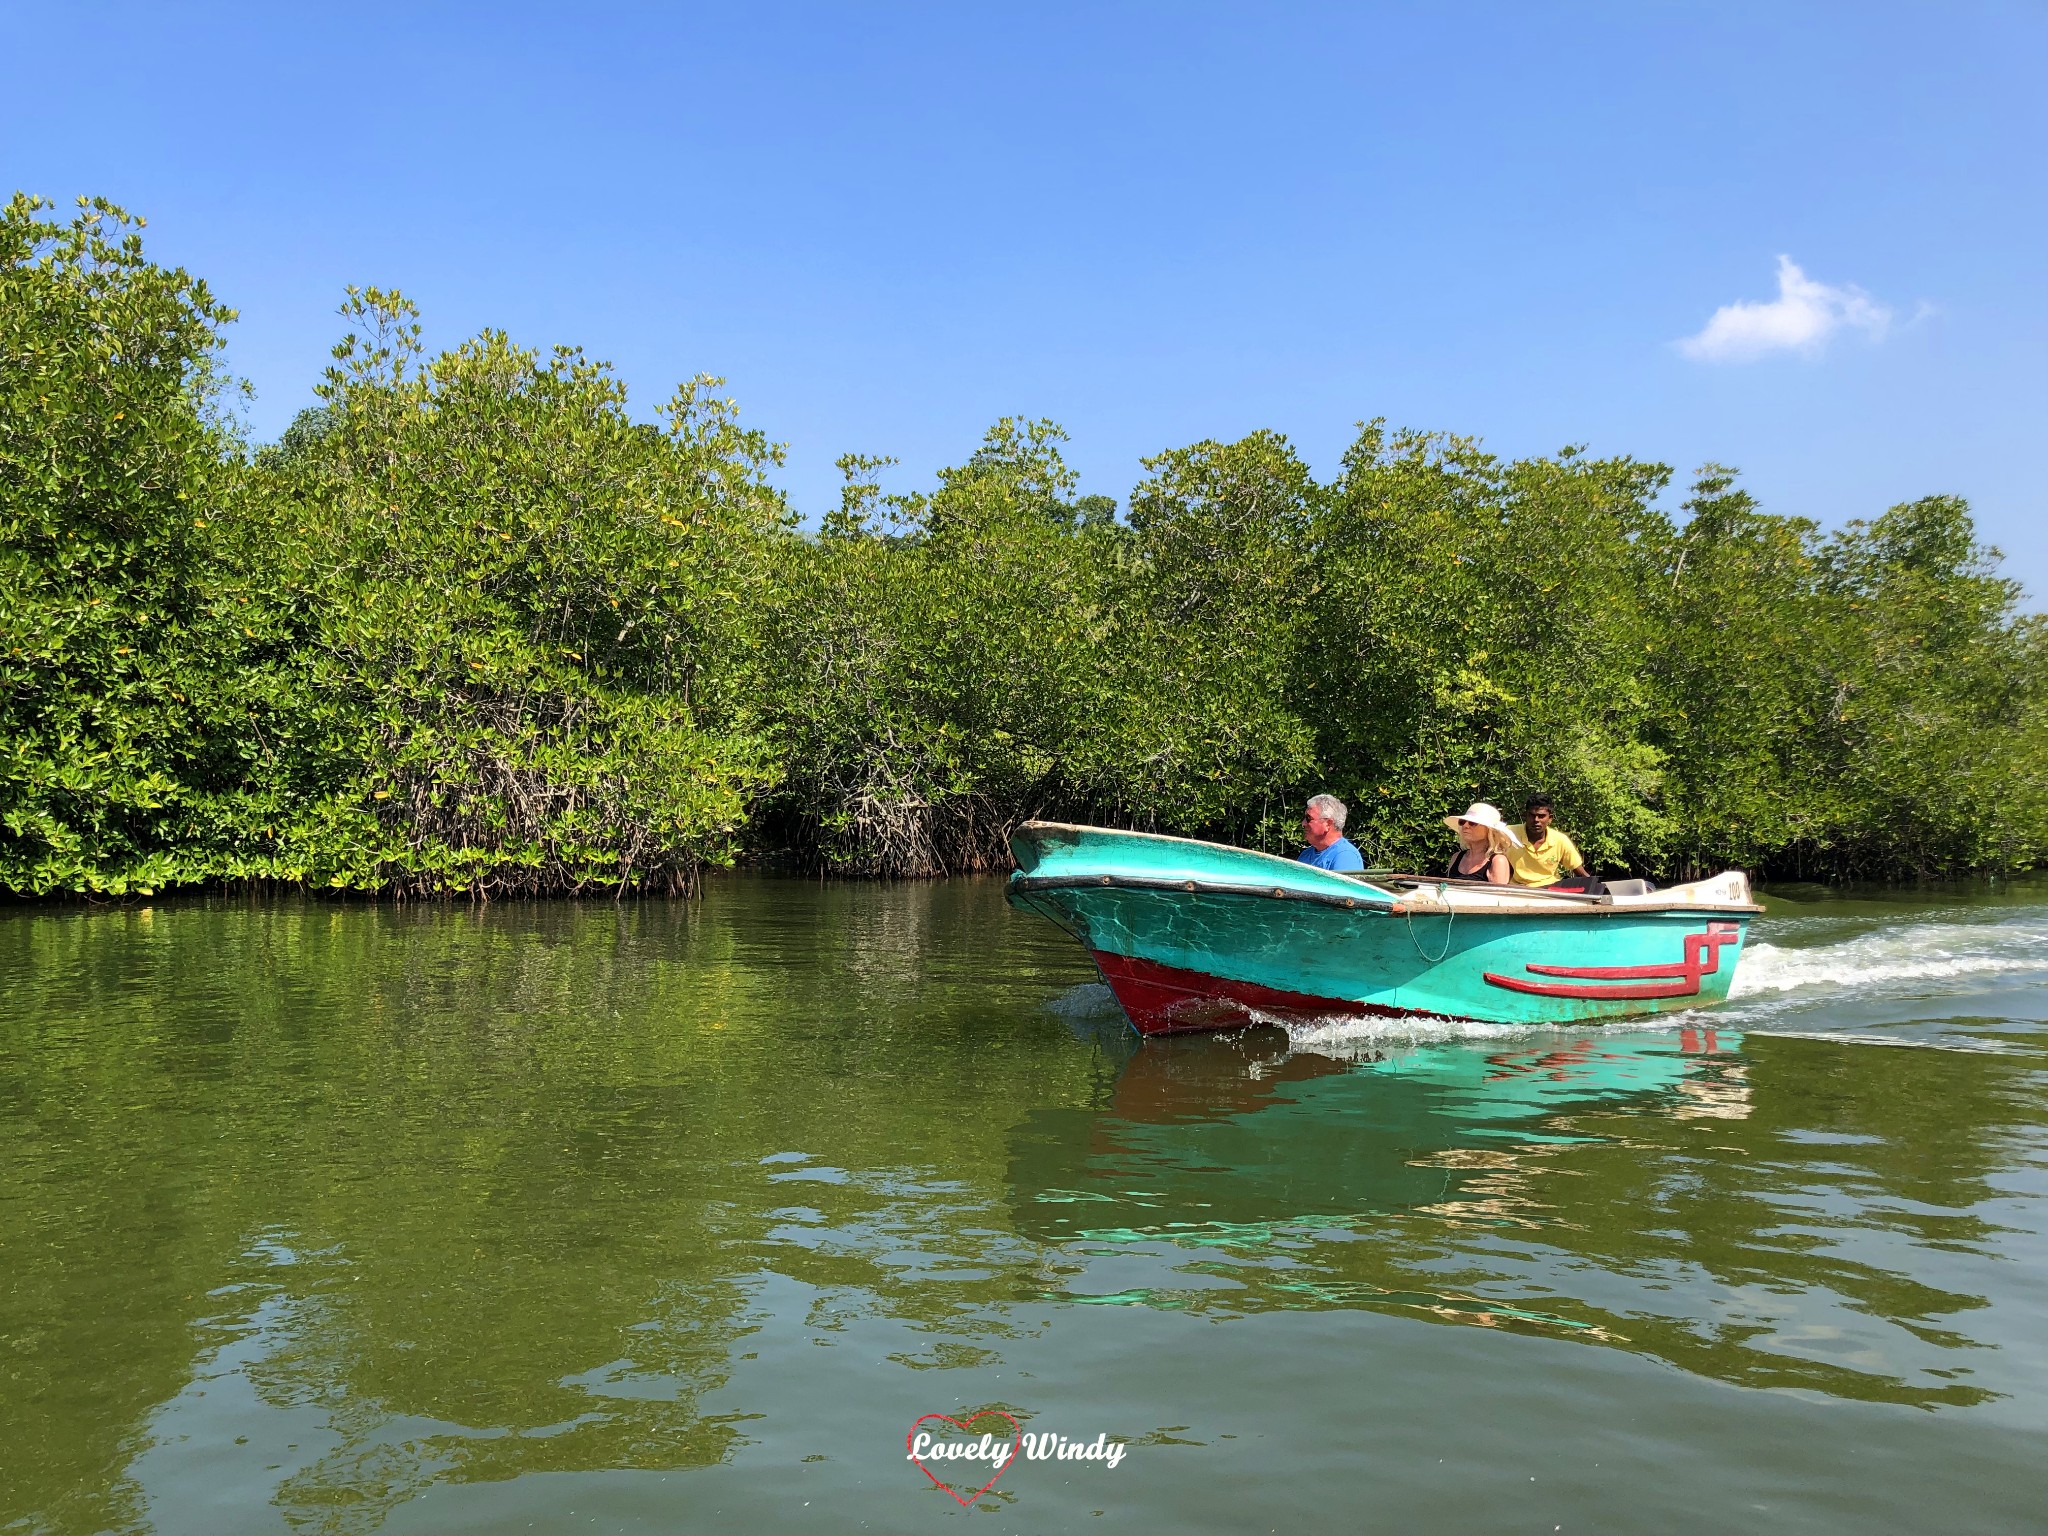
1322 828
1546 857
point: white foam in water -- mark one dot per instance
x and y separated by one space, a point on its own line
1346 1031
1889 957
1092 1001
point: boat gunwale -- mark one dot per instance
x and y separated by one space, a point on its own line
1396 906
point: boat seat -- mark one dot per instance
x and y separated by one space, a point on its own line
1628 887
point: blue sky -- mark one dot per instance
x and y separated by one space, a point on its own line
887 225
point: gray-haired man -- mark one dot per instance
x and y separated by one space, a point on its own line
1322 828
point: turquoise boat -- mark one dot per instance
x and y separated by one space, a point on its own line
1193 936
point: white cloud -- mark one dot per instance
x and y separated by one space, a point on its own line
1800 319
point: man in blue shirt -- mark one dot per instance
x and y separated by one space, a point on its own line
1322 828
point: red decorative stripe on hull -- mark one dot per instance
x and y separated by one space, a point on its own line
1165 1000
1684 987
1702 958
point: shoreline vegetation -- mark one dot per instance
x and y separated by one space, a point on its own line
471 628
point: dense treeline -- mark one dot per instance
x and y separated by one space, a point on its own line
472 627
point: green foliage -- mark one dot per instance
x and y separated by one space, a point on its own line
1213 606
116 766
947 664
468 626
1937 697
928 658
1479 635
510 622
1864 703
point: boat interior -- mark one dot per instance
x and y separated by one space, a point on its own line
1424 893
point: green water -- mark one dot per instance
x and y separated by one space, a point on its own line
667 1218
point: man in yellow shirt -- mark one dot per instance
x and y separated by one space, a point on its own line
1546 857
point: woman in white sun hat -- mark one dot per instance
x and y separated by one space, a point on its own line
1483 841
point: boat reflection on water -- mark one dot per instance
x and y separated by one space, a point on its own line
1234 1133
1547 1183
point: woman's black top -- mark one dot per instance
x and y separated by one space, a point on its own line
1452 872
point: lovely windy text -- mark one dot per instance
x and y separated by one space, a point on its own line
1032 1447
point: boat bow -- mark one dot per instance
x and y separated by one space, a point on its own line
1054 856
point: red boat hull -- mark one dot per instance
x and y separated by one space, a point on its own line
1165 1000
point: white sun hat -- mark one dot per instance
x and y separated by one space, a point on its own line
1489 817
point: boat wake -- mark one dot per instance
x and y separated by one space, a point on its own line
1092 1005
1346 1033
1952 957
